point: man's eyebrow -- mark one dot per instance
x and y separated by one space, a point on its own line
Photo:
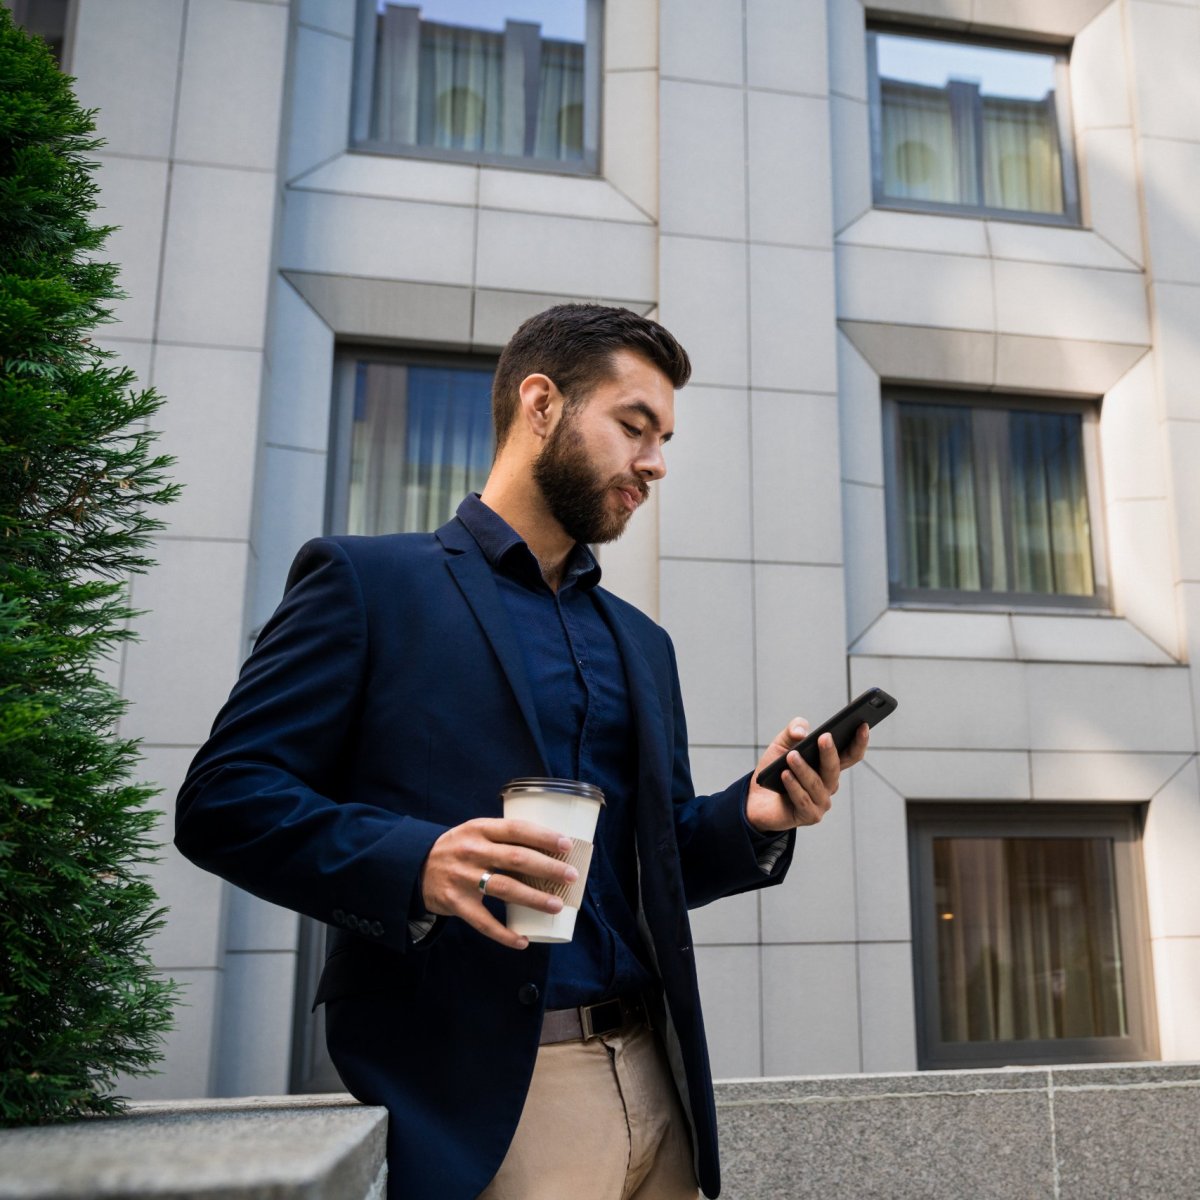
640 406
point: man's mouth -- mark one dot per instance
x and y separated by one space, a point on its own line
632 496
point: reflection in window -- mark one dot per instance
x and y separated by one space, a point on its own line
1027 940
990 500
473 78
962 125
420 440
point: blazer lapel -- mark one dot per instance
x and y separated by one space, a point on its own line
473 574
647 704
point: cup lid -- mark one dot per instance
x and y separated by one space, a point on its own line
568 787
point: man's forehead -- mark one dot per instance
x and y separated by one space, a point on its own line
640 384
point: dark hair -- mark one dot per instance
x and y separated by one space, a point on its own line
574 344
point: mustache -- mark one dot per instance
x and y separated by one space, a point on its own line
634 484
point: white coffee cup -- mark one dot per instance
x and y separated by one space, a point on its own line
568 807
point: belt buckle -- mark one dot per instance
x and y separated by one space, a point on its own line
587 1021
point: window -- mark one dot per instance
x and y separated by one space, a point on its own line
48 19
413 436
992 501
510 81
963 126
1030 939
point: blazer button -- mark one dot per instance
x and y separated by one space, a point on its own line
339 916
376 929
528 993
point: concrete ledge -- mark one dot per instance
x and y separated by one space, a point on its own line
1071 1133
260 1148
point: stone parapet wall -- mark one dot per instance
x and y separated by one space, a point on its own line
1069 1133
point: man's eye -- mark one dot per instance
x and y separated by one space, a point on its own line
632 430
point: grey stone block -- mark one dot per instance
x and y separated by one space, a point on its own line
298 1148
936 1146
1128 1141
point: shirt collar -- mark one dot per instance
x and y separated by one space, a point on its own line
508 553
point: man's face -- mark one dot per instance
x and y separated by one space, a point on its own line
597 464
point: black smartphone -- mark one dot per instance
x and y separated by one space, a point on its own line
868 709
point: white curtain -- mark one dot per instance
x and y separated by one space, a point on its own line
1021 165
1051 533
919 156
940 523
461 89
560 102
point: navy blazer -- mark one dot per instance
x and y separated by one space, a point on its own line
385 701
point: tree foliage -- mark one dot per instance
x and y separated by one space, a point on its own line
80 1002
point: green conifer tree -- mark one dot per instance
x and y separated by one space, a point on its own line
80 1002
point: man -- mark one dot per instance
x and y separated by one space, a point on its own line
355 773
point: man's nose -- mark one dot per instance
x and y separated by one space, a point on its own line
651 465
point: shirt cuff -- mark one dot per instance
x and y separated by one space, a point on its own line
417 930
420 919
768 856
767 847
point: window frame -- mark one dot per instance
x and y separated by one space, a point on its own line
360 141
1122 823
1071 217
899 596
346 358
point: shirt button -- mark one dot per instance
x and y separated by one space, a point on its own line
528 993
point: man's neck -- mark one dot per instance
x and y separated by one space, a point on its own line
548 542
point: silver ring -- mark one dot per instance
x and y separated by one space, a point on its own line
483 881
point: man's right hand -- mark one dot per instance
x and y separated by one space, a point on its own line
458 859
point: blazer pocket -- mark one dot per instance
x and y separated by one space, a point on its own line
368 970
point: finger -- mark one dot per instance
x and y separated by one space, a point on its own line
478 917
805 811
857 749
520 860
796 730
831 763
516 832
514 891
811 785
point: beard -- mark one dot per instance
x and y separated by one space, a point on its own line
577 499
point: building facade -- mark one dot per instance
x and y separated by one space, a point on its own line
938 266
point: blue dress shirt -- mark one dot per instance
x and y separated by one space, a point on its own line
581 696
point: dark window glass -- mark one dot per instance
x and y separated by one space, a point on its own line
992 502
1029 935
420 439
962 125
1027 939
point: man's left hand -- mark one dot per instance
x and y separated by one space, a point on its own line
809 793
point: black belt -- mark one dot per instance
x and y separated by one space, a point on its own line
592 1020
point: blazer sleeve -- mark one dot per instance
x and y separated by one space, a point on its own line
719 853
257 806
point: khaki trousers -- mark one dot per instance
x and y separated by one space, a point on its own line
602 1122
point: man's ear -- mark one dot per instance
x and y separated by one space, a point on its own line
541 404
